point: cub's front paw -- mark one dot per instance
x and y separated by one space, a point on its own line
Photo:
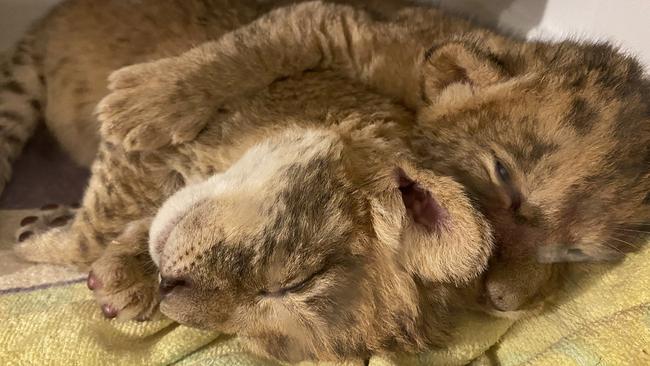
154 104
124 287
124 279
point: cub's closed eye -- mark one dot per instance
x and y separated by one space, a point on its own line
295 286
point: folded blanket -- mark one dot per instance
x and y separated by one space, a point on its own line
602 317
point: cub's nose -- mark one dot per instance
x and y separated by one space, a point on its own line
168 284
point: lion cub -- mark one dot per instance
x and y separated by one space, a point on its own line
552 140
298 219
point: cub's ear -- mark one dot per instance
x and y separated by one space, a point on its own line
421 208
431 225
459 62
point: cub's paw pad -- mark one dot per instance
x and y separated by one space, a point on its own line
50 216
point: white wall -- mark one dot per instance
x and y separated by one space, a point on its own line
625 22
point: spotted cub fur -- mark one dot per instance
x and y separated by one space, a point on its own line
305 225
335 244
545 137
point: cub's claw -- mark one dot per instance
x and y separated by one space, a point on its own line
109 311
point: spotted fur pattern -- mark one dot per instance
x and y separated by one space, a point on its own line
56 74
21 90
470 89
279 235
319 257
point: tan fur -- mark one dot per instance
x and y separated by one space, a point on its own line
376 280
471 78
58 71
568 122
275 219
299 241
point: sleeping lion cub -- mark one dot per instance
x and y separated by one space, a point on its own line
300 220
305 225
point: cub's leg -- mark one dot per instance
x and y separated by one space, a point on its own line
170 100
121 189
108 231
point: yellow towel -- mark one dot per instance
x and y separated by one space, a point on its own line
602 318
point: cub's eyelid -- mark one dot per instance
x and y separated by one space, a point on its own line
295 286
305 282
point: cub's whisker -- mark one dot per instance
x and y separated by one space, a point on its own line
635 247
635 231
612 247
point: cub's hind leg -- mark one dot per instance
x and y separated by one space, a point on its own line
122 189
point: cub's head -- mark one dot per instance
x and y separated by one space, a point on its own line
553 140
319 245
